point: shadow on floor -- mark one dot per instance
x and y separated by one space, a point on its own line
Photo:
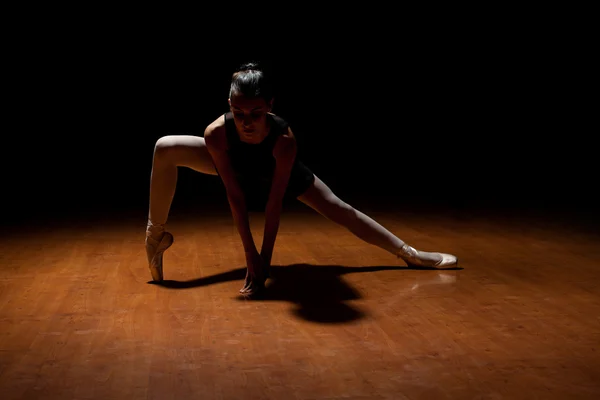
316 290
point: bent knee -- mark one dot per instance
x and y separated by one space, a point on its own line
173 147
164 149
165 143
184 151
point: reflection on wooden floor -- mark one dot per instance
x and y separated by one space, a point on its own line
520 318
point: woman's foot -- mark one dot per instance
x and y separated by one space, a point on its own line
417 258
154 251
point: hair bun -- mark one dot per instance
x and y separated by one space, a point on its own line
250 66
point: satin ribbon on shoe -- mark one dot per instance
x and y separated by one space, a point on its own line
154 251
414 257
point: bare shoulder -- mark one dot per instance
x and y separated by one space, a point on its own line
215 134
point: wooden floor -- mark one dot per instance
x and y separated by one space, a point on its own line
341 319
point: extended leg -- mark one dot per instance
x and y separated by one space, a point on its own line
323 200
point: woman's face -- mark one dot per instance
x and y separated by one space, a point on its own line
250 117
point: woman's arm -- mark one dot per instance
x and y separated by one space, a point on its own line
216 144
285 154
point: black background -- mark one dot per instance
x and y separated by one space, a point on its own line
463 120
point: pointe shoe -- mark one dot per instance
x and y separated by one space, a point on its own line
154 251
414 257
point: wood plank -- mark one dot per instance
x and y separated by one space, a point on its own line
340 319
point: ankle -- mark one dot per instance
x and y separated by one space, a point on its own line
407 251
155 231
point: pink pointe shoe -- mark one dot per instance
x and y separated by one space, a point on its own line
417 258
154 251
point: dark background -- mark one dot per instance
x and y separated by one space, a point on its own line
466 122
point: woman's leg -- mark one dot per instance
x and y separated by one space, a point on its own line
170 152
323 200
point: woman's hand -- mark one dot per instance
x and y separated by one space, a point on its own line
255 274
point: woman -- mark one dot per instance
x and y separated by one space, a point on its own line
250 147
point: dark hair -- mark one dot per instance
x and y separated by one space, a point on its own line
251 80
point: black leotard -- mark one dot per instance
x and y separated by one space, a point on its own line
254 164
